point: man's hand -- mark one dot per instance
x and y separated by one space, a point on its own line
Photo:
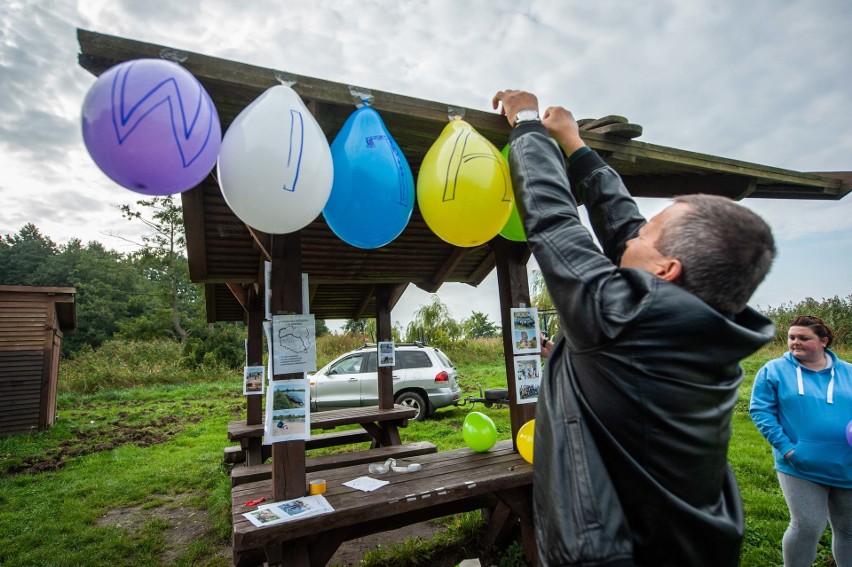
546 345
513 102
563 128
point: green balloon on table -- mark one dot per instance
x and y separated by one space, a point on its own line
479 431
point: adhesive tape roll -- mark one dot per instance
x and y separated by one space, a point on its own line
317 487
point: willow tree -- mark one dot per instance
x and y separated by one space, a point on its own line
433 324
542 301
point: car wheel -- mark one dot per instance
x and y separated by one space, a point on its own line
416 401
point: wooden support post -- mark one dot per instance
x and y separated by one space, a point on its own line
514 289
383 333
288 457
254 356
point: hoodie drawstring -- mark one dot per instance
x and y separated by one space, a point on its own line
829 397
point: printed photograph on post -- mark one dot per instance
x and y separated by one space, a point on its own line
525 334
253 379
287 411
527 378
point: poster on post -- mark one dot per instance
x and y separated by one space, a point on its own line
525 334
294 347
253 379
527 378
387 354
288 415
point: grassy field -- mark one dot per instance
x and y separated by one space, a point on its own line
132 472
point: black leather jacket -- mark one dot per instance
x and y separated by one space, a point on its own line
634 415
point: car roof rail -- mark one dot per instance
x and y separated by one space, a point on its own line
414 344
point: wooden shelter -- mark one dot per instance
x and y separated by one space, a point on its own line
32 323
346 282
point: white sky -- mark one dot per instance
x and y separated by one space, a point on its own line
765 81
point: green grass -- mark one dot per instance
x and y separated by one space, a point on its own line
51 518
157 446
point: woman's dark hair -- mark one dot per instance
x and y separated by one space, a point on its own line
816 324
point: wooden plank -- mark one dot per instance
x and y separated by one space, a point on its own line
288 458
243 475
514 291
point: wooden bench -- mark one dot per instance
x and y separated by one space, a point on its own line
380 426
243 475
449 482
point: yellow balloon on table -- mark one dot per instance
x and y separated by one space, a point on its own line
525 440
464 189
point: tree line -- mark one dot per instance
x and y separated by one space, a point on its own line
146 294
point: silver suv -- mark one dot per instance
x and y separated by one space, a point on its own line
423 378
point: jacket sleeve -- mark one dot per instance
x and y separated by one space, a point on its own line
764 411
594 298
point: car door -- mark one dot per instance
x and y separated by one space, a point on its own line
370 379
340 387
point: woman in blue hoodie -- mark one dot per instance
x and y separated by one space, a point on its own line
801 403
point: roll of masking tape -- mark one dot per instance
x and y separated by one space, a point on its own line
317 487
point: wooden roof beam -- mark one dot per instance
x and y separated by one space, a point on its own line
239 294
192 203
456 256
365 300
666 186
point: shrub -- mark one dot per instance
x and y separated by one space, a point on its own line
219 345
123 363
835 311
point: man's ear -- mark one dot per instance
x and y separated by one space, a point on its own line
670 269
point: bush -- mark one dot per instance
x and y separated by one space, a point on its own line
123 363
835 311
221 345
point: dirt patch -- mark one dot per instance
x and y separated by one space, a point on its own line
105 438
185 522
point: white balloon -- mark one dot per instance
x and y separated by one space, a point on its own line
275 168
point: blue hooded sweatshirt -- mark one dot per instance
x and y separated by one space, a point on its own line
807 415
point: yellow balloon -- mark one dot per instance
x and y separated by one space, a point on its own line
464 189
525 440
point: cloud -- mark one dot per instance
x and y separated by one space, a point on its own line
759 81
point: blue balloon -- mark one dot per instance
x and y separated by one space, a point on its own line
373 192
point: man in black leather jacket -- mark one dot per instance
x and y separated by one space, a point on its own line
634 415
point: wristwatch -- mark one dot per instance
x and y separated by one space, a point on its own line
527 115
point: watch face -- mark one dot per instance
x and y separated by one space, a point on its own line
526 115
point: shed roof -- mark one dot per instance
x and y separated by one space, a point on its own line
63 299
226 254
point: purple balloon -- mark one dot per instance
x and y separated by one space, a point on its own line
151 127
849 433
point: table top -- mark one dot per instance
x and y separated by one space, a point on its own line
445 477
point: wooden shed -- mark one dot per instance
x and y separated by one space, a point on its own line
32 323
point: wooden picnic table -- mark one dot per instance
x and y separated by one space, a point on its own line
382 424
449 482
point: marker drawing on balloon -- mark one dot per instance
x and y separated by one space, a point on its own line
297 144
125 120
400 174
459 158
